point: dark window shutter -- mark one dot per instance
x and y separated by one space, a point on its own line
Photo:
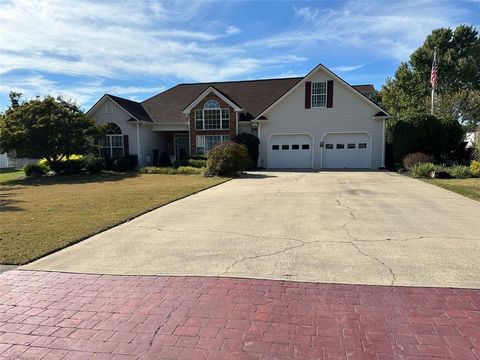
126 148
329 93
308 94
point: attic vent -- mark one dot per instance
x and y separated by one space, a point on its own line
109 107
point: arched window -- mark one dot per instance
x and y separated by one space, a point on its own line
212 117
111 145
211 104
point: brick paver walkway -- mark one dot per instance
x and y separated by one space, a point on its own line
73 316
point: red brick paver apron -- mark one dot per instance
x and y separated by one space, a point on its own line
48 315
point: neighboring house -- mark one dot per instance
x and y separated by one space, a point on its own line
472 137
317 121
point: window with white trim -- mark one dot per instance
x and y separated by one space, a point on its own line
205 143
111 145
319 94
212 117
109 107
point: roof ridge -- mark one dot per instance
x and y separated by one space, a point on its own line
237 81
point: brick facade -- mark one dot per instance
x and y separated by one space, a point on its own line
232 129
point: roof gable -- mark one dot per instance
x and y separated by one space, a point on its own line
208 91
133 108
321 67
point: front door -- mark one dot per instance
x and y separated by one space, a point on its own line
181 147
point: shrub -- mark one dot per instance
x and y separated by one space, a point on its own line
198 157
35 170
422 170
475 168
476 150
252 143
227 159
93 164
198 163
190 170
416 158
182 170
460 172
428 134
123 164
68 167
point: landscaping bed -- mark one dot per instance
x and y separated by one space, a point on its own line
42 215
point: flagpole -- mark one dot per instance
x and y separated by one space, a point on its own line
434 84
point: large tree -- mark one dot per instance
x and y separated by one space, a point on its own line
50 128
458 62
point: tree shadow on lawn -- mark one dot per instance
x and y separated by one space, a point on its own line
8 170
7 203
71 179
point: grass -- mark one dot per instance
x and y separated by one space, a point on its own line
39 216
466 187
8 174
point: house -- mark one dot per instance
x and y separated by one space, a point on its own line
316 121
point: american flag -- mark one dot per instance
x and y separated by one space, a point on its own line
434 72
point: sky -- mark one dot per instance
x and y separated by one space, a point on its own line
138 48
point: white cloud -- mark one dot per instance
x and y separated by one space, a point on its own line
232 30
347 68
306 13
84 93
119 40
387 29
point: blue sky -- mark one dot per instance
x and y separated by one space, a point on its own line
137 48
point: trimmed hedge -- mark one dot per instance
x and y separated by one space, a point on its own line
197 163
68 167
181 170
35 170
93 164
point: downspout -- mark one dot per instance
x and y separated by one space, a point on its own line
236 119
139 155
259 138
187 116
383 144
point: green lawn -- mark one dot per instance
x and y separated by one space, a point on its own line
10 174
39 216
466 187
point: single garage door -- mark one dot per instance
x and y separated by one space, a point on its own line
346 151
290 151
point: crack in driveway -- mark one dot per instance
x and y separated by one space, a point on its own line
353 239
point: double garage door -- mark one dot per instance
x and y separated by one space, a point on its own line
340 151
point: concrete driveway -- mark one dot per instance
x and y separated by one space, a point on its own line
343 227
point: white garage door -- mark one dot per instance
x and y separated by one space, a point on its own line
290 151
346 151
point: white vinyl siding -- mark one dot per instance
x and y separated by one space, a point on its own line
149 139
350 114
